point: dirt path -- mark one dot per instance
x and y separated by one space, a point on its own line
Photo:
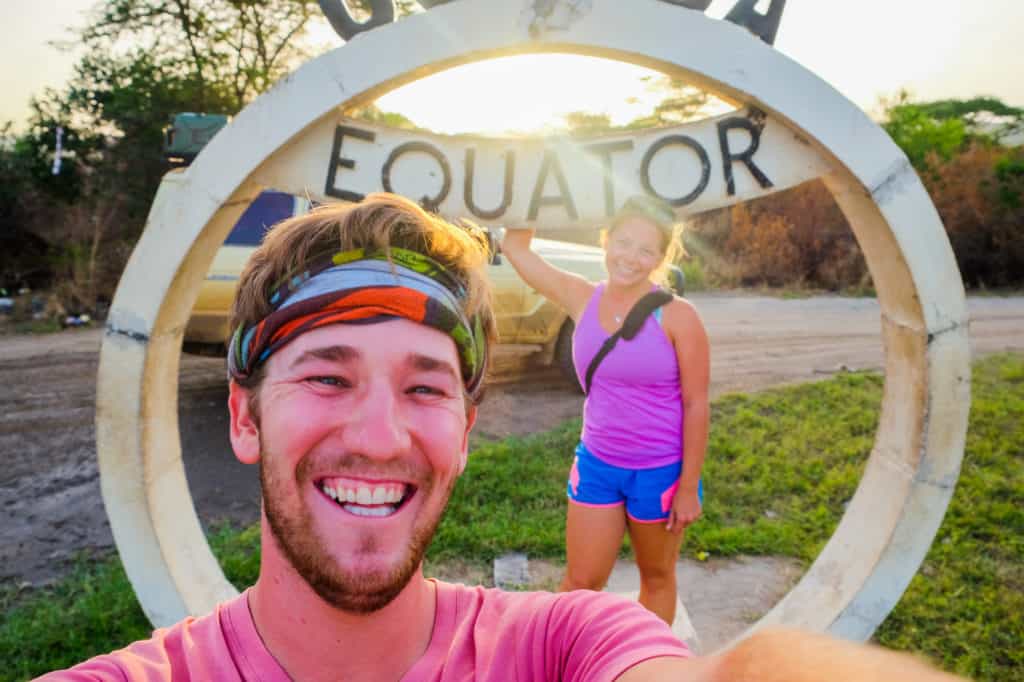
50 506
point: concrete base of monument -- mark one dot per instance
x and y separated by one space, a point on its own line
718 598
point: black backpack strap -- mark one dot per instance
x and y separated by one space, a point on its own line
640 311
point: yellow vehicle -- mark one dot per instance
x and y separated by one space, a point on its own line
524 317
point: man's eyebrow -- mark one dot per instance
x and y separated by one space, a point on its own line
339 353
428 363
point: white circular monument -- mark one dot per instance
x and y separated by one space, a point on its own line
789 127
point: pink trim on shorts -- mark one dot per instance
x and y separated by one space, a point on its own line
633 518
596 506
668 496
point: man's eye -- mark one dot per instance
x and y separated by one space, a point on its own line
328 381
423 389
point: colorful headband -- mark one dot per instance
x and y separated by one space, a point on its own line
356 286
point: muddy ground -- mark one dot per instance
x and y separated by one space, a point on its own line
50 506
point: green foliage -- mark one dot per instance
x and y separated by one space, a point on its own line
1010 177
696 278
945 127
679 103
141 62
920 134
226 51
586 124
782 465
392 119
94 610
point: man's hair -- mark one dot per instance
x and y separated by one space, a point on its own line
378 223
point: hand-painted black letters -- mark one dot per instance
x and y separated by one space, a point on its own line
764 26
429 203
702 156
506 196
381 12
746 156
336 160
549 164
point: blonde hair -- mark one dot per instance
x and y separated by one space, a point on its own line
379 222
659 214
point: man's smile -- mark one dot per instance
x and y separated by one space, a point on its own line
366 498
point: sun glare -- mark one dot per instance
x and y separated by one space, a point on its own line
530 94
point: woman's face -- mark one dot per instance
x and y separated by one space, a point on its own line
633 251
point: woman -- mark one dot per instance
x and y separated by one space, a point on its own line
645 420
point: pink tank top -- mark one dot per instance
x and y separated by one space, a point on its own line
633 416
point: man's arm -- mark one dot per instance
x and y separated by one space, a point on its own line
781 655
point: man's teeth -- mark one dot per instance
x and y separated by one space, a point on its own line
366 495
369 511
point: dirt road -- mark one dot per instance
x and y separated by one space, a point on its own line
50 506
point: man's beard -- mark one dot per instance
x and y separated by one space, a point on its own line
298 538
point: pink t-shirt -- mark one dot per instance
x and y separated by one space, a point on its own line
479 634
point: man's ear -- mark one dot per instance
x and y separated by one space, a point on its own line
245 430
464 450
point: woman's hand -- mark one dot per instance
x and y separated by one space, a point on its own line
516 239
686 509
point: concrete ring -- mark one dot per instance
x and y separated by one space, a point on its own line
909 478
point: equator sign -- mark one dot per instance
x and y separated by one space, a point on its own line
289 139
695 167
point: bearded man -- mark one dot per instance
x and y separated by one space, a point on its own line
358 362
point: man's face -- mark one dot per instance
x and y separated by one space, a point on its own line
361 433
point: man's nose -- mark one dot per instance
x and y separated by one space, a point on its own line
375 428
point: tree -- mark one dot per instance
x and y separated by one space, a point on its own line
228 50
143 61
919 134
945 127
679 103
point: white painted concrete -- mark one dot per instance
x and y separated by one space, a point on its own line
909 479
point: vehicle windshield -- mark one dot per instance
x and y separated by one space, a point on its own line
266 210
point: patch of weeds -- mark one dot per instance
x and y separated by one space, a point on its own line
93 610
43 326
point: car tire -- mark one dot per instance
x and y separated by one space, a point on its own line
563 354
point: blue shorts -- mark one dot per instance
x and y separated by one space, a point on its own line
647 493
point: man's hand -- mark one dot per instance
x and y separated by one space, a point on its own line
785 655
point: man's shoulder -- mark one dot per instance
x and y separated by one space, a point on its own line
209 644
566 610
543 635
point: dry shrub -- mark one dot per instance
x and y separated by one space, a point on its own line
979 194
799 237
89 242
763 247
796 238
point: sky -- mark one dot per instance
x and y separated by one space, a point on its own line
865 48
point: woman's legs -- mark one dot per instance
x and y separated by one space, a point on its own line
593 537
656 551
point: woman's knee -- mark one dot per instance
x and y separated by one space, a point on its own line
657 578
576 579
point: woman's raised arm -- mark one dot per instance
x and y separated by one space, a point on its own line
567 289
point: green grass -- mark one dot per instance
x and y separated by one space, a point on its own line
43 326
782 465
